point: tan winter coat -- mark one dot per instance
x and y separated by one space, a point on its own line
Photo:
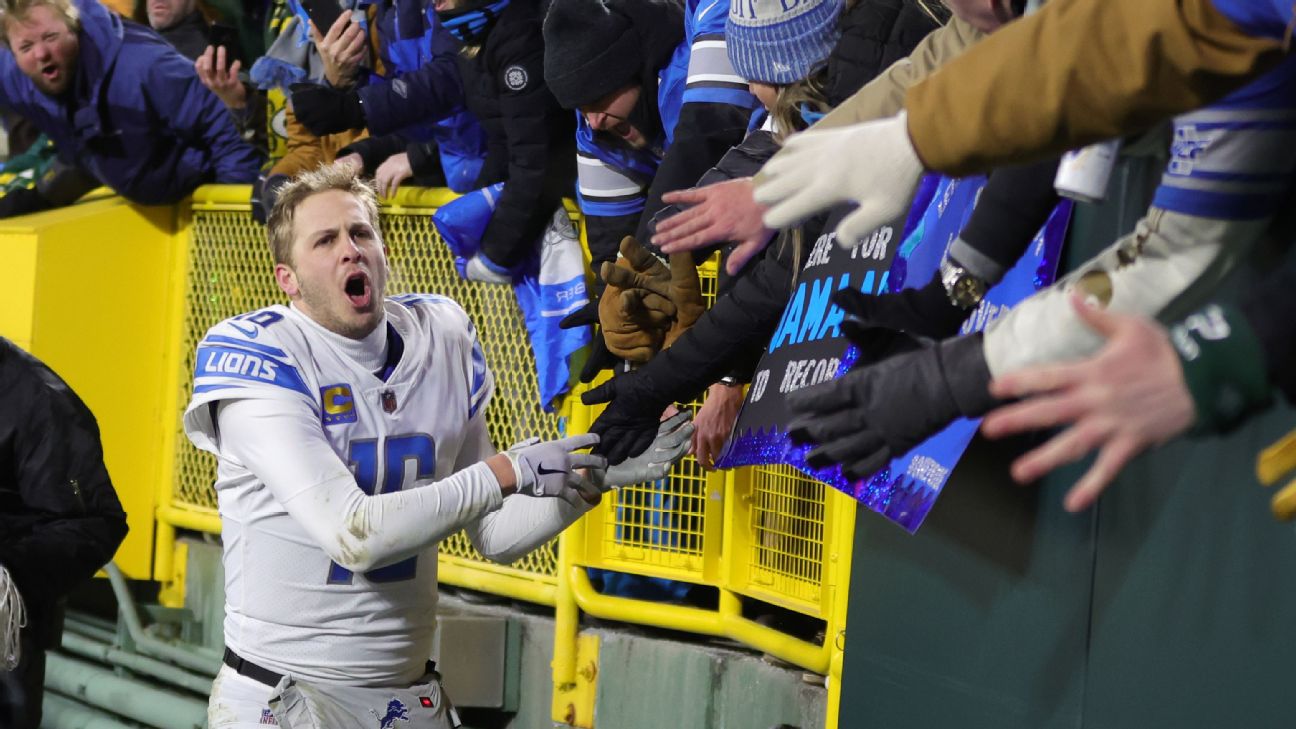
885 95
1016 96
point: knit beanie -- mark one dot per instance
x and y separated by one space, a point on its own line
594 47
781 42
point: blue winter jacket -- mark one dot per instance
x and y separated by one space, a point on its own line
426 86
136 116
412 38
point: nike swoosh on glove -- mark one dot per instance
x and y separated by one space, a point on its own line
546 469
326 110
870 415
872 164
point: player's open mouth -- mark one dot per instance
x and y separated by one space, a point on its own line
357 290
50 72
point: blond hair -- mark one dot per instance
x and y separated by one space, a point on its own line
18 10
279 224
786 110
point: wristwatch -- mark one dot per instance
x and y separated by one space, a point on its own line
963 289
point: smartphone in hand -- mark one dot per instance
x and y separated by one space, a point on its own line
324 13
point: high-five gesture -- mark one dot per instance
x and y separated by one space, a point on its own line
872 164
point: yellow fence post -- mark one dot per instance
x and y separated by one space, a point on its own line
566 612
165 569
93 311
842 546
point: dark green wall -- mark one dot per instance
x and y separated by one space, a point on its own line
1171 604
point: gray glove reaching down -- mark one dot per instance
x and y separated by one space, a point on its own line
674 436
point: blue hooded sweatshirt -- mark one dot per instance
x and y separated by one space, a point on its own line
135 116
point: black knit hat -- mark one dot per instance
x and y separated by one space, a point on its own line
594 47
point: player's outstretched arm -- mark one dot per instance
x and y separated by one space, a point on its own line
524 523
281 442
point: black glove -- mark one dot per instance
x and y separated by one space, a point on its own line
22 201
922 312
326 110
63 184
599 358
629 423
264 194
872 414
374 151
876 344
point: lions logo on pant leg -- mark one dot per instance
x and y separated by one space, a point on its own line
395 711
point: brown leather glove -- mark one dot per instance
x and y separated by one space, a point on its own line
654 304
632 331
685 293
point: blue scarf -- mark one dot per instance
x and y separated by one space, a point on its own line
810 115
470 26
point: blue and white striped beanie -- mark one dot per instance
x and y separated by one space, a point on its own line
781 41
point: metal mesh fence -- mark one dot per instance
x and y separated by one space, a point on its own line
671 527
787 533
665 523
229 273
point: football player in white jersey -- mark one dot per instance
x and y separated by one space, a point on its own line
351 435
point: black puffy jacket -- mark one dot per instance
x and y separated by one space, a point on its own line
60 520
530 140
876 34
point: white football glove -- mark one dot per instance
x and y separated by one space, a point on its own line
872 164
548 468
477 270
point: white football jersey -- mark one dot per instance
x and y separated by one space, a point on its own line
289 608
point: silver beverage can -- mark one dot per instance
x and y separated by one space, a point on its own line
1083 173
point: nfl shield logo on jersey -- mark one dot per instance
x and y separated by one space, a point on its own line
389 401
267 717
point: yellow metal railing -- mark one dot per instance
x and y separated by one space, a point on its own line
767 533
764 534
